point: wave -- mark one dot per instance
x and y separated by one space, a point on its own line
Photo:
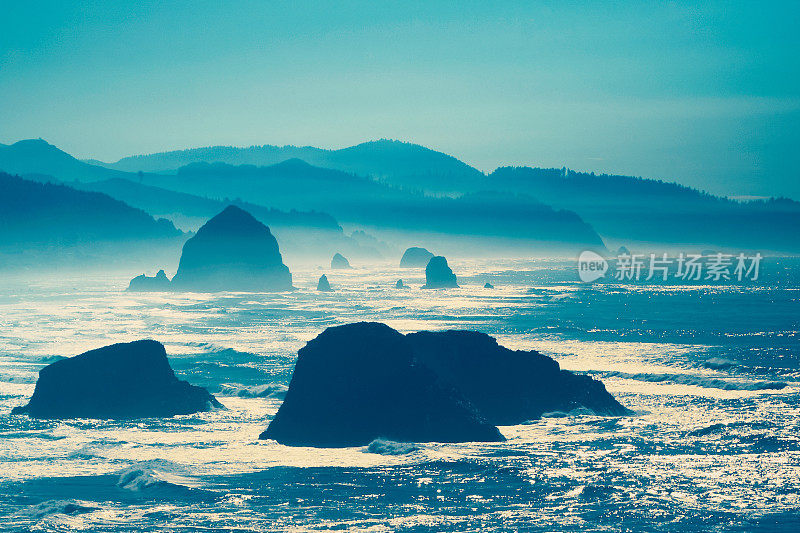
390 447
578 411
270 390
223 352
51 507
700 381
718 363
722 427
31 435
156 476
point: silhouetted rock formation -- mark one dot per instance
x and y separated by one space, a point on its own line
232 252
127 380
508 386
142 283
623 251
488 285
323 285
415 257
438 274
355 383
340 262
399 284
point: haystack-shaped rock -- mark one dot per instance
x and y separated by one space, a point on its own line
415 257
438 274
142 283
340 262
232 252
323 284
399 284
355 383
128 380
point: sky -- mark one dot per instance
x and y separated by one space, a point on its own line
704 93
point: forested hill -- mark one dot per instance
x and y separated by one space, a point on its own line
628 208
33 213
163 202
406 165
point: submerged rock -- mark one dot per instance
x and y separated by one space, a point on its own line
415 257
508 386
127 380
340 262
158 283
399 284
232 252
438 274
356 383
323 285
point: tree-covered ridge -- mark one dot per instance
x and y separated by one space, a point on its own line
356 199
38 156
54 214
547 181
407 164
626 208
160 201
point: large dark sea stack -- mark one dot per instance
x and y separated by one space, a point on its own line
355 383
232 252
121 381
508 386
415 257
142 283
438 274
340 262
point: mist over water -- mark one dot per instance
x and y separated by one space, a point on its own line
712 373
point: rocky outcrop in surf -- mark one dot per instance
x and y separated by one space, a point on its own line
415 257
353 384
143 283
508 386
232 252
323 284
356 383
438 274
340 262
120 381
399 284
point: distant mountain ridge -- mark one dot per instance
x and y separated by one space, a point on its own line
630 208
162 202
301 232
355 199
38 156
383 184
48 214
405 164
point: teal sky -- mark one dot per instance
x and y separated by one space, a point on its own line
707 94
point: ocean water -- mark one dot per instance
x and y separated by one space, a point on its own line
712 373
